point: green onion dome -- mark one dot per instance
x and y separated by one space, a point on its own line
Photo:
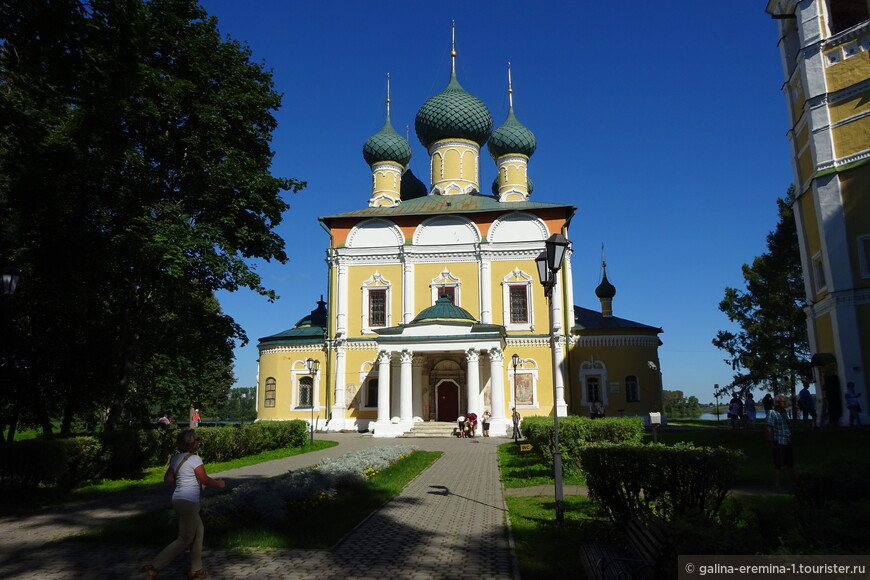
512 137
453 114
443 309
387 145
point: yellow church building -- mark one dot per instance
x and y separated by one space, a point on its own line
435 307
825 52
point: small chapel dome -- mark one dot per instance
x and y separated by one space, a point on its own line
453 113
605 289
387 145
512 137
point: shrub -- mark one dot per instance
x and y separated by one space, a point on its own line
273 500
234 441
632 480
65 463
833 503
576 432
84 458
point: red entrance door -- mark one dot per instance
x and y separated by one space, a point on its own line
448 401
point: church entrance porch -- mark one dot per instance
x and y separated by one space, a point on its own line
447 401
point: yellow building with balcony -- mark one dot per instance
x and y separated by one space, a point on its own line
825 52
433 289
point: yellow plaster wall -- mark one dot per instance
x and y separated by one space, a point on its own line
824 333
392 273
279 365
810 223
801 138
806 167
854 105
851 137
468 275
856 205
542 358
848 72
621 362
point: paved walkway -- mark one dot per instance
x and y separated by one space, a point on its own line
450 522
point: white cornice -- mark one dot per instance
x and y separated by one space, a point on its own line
618 340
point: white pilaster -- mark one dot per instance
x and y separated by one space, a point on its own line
342 302
417 386
383 387
473 404
339 406
561 408
407 291
498 426
405 402
485 291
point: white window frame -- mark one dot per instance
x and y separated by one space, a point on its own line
597 369
517 278
820 281
446 280
300 370
376 282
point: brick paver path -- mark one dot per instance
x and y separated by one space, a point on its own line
449 523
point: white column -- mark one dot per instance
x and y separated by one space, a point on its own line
417 387
407 292
473 379
394 388
383 387
496 383
341 299
485 291
560 407
339 406
556 306
405 402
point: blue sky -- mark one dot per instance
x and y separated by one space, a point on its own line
663 122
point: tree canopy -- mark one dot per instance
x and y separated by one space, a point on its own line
134 183
770 349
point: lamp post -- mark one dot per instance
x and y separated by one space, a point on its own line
313 367
515 360
716 394
549 263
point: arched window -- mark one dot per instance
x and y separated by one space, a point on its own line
270 392
593 390
305 395
632 391
371 394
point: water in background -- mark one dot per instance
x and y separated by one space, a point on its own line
759 416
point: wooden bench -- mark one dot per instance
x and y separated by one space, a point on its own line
639 555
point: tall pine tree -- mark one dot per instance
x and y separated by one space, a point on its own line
770 350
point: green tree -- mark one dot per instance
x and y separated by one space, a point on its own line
676 404
770 350
134 182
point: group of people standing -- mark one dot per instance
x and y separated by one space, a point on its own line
738 411
468 425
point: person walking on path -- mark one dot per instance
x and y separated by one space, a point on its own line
807 405
750 409
487 418
187 472
853 406
516 418
779 437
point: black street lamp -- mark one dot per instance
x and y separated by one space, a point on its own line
515 360
549 263
313 367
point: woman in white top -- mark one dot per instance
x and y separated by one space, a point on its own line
187 472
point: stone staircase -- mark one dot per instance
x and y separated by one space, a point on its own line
431 429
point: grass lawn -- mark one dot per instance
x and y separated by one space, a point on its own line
318 528
525 469
763 521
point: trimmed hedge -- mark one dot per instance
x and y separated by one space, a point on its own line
631 480
67 463
576 432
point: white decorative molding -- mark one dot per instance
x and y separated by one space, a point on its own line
527 342
375 282
446 230
375 233
517 278
290 348
517 227
446 280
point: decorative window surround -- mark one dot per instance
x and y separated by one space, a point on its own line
376 282
517 278
527 378
446 280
